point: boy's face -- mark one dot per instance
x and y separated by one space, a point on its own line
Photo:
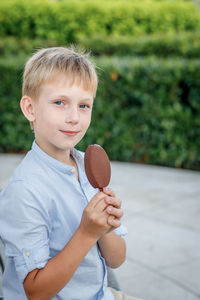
62 115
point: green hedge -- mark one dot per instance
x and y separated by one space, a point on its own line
67 21
15 134
12 46
146 110
185 44
150 111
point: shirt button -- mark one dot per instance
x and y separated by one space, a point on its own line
72 171
28 253
104 283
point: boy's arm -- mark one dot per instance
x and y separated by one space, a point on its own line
44 284
112 246
113 249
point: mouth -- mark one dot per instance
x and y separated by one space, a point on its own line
69 133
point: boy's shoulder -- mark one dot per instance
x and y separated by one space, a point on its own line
33 169
30 180
37 171
28 167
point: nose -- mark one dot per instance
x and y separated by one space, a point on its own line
72 115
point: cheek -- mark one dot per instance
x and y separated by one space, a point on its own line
87 120
50 118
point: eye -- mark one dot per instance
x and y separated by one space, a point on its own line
84 106
59 102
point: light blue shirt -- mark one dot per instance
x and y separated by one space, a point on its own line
40 209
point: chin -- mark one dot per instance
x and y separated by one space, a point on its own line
66 146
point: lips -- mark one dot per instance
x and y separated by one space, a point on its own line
69 133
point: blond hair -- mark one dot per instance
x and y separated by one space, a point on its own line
46 63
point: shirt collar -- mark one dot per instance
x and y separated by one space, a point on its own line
52 162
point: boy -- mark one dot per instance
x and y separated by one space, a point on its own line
58 230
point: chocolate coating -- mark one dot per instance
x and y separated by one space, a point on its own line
97 166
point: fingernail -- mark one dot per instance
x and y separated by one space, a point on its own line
111 221
109 208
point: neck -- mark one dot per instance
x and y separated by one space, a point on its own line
59 154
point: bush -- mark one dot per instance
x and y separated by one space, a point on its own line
185 44
147 110
12 46
15 134
67 21
155 112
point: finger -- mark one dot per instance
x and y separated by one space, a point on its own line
113 201
113 221
108 191
101 205
116 212
98 197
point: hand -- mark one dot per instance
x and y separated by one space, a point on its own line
94 220
113 208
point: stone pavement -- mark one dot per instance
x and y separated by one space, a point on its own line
162 213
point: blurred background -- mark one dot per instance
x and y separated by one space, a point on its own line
146 115
147 108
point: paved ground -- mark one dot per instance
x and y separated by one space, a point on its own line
162 213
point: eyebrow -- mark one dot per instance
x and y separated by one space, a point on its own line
68 98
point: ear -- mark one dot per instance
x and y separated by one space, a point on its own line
27 107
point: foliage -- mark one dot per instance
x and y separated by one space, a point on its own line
146 110
67 21
15 133
184 44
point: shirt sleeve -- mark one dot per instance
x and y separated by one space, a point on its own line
24 227
121 230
